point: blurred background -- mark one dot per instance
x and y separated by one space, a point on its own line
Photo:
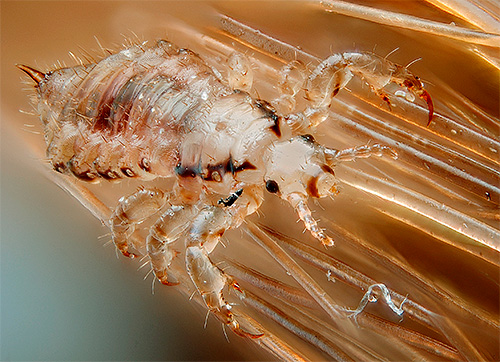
66 297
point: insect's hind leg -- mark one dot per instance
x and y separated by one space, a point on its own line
131 211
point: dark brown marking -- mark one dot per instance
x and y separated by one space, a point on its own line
275 128
244 166
209 172
220 169
270 112
312 187
76 169
308 138
272 186
229 201
59 167
109 175
220 233
85 176
327 169
226 167
145 164
187 171
335 90
127 171
102 121
230 166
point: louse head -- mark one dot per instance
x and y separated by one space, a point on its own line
300 166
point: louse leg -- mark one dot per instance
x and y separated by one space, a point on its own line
299 203
164 232
131 211
210 281
333 74
240 72
351 154
291 82
292 78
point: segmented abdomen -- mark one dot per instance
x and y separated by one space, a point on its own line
127 114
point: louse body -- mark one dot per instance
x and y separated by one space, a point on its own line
161 112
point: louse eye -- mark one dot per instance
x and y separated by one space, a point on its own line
272 186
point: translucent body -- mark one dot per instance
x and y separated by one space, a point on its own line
356 209
161 111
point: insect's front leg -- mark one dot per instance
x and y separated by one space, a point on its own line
336 71
333 74
131 211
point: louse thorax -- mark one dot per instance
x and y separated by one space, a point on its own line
227 149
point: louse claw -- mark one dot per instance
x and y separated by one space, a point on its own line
128 254
423 94
235 327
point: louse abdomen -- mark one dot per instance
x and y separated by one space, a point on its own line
126 115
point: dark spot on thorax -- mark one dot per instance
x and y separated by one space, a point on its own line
270 112
327 169
308 138
229 201
187 171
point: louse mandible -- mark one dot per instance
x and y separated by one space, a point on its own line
157 111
